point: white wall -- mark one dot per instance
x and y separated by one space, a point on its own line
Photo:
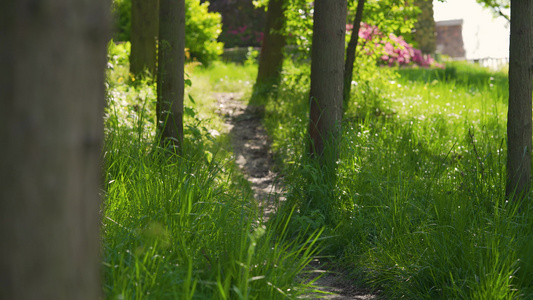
484 35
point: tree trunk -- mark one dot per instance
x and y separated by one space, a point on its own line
144 31
52 95
350 51
271 59
425 30
170 79
327 69
519 118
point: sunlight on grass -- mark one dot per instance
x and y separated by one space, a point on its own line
229 77
186 227
420 209
417 209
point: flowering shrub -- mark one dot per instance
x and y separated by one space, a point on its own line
391 50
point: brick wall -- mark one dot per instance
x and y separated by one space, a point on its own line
450 38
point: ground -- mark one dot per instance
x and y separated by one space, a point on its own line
251 147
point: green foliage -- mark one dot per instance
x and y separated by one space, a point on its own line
117 54
418 206
390 16
201 32
121 12
499 7
299 26
202 29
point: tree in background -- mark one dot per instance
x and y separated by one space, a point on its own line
170 72
327 65
519 118
271 59
424 34
327 69
350 51
52 97
144 31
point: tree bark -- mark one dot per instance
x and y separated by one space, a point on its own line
271 59
350 51
52 96
425 30
519 118
170 79
327 69
144 31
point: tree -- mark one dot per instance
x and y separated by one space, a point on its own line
170 75
52 97
519 118
144 31
327 69
271 59
350 51
424 34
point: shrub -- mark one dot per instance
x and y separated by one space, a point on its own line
201 32
392 50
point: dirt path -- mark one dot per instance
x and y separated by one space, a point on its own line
251 147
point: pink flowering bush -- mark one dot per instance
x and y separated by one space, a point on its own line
392 50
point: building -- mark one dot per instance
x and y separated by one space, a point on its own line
485 37
450 38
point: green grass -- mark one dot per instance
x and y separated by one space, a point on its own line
186 227
418 206
229 77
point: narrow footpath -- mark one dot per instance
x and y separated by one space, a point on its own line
251 147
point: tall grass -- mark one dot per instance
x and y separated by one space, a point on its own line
419 207
186 227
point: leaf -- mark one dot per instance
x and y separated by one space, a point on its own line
192 100
189 112
208 156
194 131
188 82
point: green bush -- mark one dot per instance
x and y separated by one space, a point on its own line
201 32
202 29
